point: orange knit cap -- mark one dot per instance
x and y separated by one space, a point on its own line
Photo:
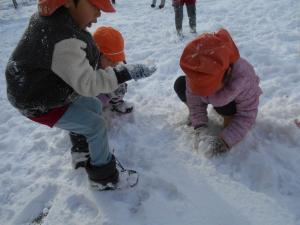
206 59
47 7
110 43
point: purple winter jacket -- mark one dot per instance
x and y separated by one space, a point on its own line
241 87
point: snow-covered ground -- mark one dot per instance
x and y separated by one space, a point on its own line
257 183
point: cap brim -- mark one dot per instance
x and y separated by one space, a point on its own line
116 58
103 5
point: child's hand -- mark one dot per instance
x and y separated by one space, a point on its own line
139 71
199 134
217 147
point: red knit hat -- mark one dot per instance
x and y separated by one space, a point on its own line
47 7
206 59
110 43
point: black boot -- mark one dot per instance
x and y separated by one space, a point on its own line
161 6
152 5
103 177
79 150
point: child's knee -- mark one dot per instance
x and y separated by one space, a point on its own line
179 84
180 87
95 105
98 126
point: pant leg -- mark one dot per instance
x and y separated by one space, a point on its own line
180 87
90 103
178 9
104 98
84 117
162 2
191 11
227 112
153 2
227 120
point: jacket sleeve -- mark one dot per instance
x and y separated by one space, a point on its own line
246 112
197 109
69 62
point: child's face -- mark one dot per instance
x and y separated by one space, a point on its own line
84 14
105 62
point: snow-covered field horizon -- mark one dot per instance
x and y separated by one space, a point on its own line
256 183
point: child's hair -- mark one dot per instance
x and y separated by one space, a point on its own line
110 43
76 2
206 59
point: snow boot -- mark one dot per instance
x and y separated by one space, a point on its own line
79 150
180 34
103 177
193 30
152 6
121 106
112 176
161 6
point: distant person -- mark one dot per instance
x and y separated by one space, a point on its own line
216 74
191 11
297 122
110 43
162 4
52 79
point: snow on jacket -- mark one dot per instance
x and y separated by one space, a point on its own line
182 2
242 87
53 64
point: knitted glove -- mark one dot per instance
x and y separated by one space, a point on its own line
199 134
216 147
126 72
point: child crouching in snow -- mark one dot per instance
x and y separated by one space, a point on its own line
215 74
52 79
110 43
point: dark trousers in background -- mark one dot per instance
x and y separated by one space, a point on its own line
162 2
226 111
191 11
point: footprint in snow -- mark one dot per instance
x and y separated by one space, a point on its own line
38 207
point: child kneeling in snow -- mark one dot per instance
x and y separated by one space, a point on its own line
110 43
215 74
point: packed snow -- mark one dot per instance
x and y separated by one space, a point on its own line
256 183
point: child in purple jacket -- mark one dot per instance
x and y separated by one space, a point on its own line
215 74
